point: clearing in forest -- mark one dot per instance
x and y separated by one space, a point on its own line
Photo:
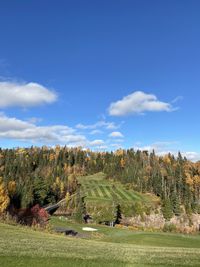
99 189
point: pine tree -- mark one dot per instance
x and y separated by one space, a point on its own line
176 204
167 209
80 209
40 191
118 215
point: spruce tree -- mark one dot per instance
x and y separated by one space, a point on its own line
118 215
167 209
80 209
176 205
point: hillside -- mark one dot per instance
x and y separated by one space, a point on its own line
103 195
44 176
97 188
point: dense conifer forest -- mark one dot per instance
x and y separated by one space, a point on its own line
31 176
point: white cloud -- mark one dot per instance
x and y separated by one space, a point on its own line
34 120
13 94
138 103
99 124
193 156
116 134
96 143
27 131
12 128
96 132
178 98
163 148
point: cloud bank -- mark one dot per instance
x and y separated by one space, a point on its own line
12 128
116 134
163 148
99 124
13 94
138 103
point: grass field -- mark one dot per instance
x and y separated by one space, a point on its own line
22 247
97 188
116 235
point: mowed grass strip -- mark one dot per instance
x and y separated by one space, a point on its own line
88 190
101 193
115 194
123 194
132 195
94 182
92 192
104 191
108 191
96 192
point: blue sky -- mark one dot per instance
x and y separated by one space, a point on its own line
101 74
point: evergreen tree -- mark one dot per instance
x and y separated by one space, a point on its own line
176 205
167 209
80 209
118 215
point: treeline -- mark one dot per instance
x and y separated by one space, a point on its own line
174 179
45 175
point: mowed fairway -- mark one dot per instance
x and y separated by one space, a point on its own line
22 247
97 188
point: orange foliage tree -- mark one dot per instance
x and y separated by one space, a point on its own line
4 198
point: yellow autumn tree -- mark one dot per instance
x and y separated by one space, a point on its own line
196 180
67 197
11 188
62 188
122 162
167 159
56 184
4 198
189 180
72 183
119 152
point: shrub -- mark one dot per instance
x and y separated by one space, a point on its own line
169 227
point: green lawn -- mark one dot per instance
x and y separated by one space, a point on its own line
97 188
115 235
103 195
22 247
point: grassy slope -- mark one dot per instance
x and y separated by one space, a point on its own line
24 247
99 190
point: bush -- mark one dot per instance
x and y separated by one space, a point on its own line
169 227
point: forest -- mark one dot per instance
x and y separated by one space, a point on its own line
43 175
